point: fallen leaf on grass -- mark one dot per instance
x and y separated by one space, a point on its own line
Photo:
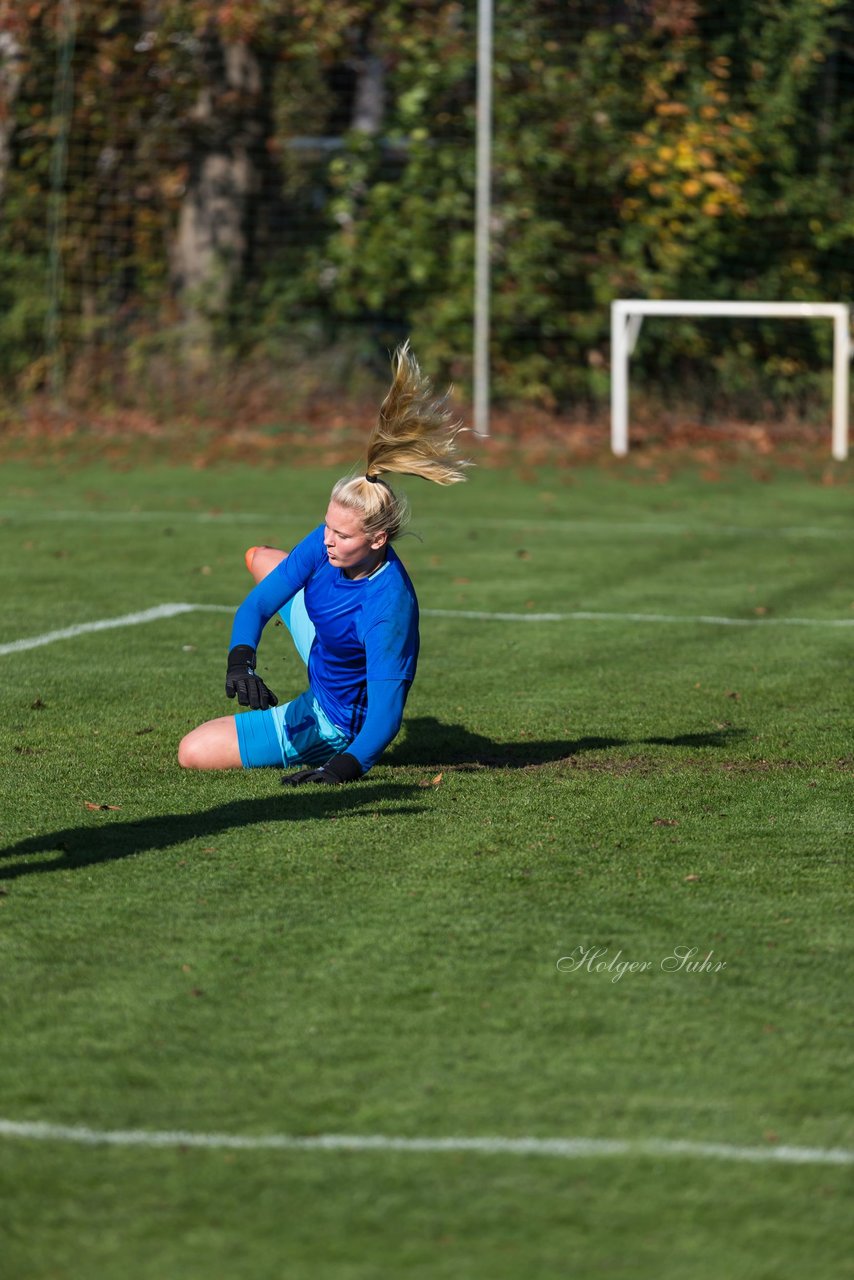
731 693
665 822
90 805
434 782
691 878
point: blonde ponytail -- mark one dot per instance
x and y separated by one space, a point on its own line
415 434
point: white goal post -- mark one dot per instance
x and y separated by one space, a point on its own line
627 317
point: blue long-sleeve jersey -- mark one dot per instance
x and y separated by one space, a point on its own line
365 649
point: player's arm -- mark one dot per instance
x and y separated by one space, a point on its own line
268 597
384 716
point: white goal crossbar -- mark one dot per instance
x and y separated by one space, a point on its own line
627 317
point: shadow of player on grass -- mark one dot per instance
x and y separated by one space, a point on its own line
432 744
429 744
89 844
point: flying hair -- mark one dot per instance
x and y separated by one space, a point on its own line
415 434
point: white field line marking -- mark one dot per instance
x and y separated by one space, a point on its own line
486 522
584 616
565 1148
108 624
173 610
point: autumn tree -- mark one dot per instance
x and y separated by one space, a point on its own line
306 167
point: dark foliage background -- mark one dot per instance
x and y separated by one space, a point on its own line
191 187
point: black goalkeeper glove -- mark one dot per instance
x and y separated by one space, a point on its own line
242 683
341 768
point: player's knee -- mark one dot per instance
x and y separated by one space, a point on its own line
263 560
250 556
191 753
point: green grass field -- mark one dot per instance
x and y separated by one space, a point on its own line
217 955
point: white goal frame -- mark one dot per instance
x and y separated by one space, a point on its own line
627 317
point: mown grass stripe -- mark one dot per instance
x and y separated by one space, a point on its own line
160 611
534 523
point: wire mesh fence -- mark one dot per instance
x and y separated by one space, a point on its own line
195 188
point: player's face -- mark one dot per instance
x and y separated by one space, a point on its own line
347 545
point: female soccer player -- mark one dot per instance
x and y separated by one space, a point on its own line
349 605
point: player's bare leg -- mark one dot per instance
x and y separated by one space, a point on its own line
262 560
213 745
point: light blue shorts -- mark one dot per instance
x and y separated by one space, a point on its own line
299 732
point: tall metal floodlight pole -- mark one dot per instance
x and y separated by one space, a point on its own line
483 204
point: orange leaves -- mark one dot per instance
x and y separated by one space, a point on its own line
16 17
433 782
243 21
689 166
693 157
